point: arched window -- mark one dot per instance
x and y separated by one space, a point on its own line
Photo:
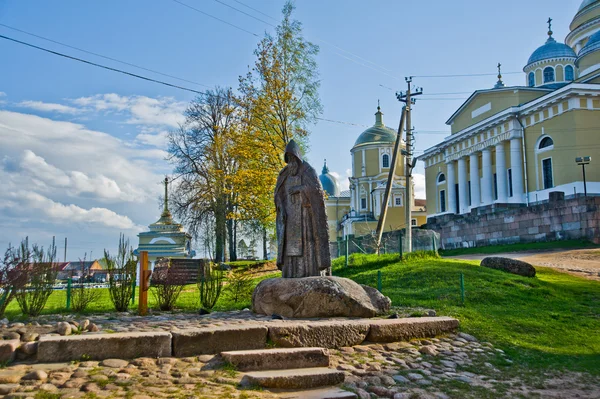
531 79
569 76
545 143
548 75
441 178
385 161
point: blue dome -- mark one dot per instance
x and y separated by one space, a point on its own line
592 45
552 49
329 182
585 3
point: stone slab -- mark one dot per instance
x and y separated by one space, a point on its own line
277 359
321 393
324 334
394 330
213 340
104 346
8 349
294 378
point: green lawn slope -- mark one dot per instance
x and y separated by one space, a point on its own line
550 321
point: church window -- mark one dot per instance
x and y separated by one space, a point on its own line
531 80
569 75
546 142
548 75
441 178
398 201
442 201
510 186
363 203
385 161
547 173
413 222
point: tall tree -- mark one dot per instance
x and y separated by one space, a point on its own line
201 150
279 100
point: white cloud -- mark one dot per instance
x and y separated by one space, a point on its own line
343 181
75 182
34 203
2 94
419 181
48 107
140 110
157 140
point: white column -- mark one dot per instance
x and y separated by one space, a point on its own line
463 189
487 189
474 176
450 190
516 164
501 173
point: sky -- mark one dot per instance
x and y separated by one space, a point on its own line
82 149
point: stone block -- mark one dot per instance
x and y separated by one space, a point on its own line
294 378
52 349
533 230
8 349
213 340
393 330
277 359
324 334
571 226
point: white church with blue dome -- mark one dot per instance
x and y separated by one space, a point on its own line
515 145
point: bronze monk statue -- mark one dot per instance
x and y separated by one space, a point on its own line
302 233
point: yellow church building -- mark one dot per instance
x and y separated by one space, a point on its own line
355 212
515 145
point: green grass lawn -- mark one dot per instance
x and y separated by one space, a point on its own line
550 321
494 249
188 301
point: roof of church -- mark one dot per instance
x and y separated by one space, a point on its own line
378 133
329 182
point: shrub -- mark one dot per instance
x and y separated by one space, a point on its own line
239 285
210 284
167 283
80 295
39 270
122 274
11 278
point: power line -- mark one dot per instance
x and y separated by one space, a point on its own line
245 13
101 66
463 75
102 56
212 16
258 11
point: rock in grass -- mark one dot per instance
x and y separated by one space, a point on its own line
508 265
63 328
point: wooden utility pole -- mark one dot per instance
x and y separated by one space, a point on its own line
410 164
390 181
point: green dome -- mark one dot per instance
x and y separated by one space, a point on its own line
378 133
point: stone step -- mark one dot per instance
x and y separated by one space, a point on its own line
294 378
322 393
277 359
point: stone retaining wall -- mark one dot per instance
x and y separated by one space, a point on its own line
576 218
292 333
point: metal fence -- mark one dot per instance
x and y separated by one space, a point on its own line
391 242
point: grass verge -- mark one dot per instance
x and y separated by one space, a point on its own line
547 322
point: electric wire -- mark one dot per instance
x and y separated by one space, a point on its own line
102 56
101 66
245 13
213 17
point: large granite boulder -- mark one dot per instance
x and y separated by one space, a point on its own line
318 297
513 266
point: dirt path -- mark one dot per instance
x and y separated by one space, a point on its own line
580 262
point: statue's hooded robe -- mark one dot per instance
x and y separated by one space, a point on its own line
302 231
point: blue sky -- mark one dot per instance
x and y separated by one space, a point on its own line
82 149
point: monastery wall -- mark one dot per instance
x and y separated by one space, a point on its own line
576 218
